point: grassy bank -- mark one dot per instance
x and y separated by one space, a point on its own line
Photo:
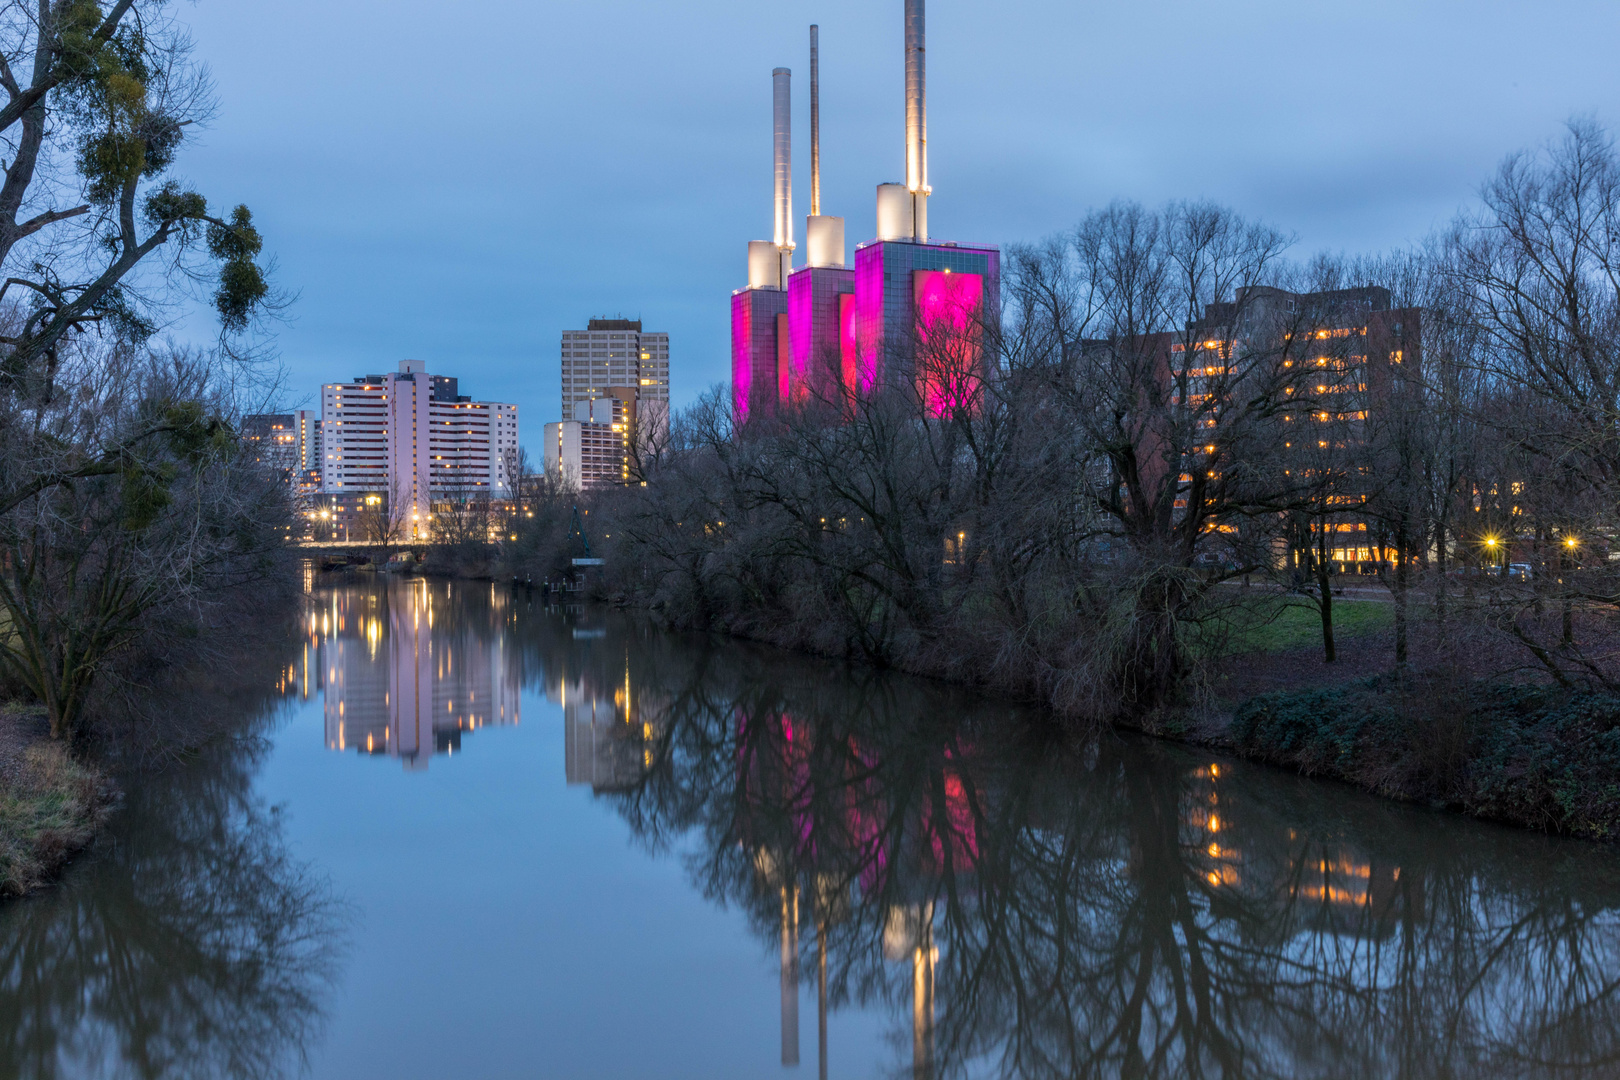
1280 624
1470 725
1541 757
50 805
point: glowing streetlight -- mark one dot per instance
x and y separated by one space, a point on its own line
1572 542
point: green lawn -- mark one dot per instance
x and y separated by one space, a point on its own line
1277 624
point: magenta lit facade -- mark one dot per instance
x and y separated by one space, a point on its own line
755 380
815 321
890 277
908 311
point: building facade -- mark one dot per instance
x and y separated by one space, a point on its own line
594 448
615 396
615 353
307 429
272 441
396 444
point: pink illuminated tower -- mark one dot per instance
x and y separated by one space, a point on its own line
759 312
821 294
922 306
912 311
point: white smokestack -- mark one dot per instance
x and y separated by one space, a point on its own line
824 241
823 236
781 81
917 118
764 265
815 120
893 212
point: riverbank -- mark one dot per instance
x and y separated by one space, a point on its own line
51 806
1540 757
1469 726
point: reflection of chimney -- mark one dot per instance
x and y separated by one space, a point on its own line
909 931
790 975
916 119
922 1007
821 996
782 99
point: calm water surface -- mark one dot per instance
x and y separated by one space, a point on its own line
480 838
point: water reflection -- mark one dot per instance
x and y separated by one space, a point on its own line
406 666
188 945
1008 905
610 721
1023 910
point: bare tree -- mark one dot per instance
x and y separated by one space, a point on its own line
466 526
534 537
1535 272
1185 383
381 518
88 564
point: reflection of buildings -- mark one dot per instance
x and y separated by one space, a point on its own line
813 843
1331 886
395 683
609 728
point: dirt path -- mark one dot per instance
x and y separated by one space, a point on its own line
19 729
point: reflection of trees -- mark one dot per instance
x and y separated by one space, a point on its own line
1124 911
191 945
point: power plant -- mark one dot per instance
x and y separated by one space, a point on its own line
910 311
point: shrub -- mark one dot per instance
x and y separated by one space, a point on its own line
1538 756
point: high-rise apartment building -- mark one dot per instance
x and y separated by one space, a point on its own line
272 440
307 430
612 353
407 439
1365 348
615 391
593 449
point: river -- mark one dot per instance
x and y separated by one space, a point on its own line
465 835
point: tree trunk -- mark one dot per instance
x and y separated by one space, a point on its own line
1400 595
1440 583
1569 607
1325 603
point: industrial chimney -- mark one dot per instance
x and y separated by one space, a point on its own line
917 118
782 94
815 120
823 236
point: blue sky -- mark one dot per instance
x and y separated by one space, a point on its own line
460 182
